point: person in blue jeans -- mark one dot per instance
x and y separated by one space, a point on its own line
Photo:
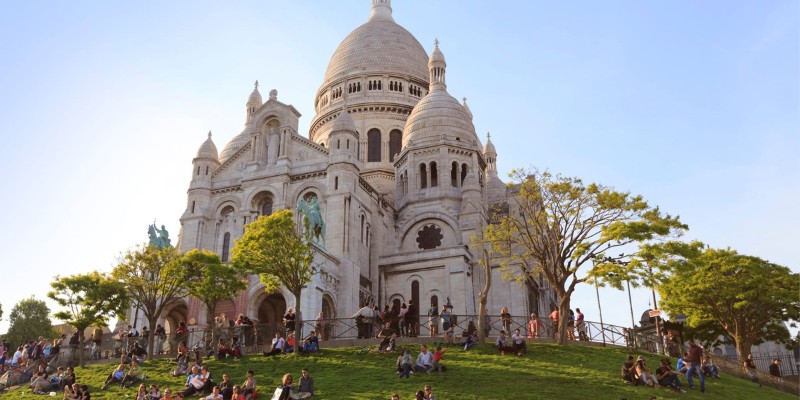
695 357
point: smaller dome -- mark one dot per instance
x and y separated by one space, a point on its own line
488 148
208 149
436 55
255 97
233 146
344 122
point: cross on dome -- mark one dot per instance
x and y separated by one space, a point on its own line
256 84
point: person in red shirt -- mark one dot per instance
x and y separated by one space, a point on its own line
437 358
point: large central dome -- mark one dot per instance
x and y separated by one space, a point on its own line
379 45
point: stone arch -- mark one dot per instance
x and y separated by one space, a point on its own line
178 312
263 202
232 200
267 118
257 295
320 188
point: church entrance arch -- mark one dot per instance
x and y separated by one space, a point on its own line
175 316
271 309
329 313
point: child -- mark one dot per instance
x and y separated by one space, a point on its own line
437 358
469 341
404 364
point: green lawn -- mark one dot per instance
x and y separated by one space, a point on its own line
548 371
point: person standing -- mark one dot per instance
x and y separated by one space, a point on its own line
363 317
775 371
505 318
695 357
412 318
554 322
580 325
433 320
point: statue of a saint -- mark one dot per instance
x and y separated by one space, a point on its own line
312 219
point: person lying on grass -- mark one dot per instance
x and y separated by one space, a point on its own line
115 376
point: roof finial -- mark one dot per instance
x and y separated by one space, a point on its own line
488 135
209 134
256 84
436 43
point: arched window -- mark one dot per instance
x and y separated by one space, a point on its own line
435 303
226 246
395 143
362 228
266 207
336 183
193 206
198 170
374 145
367 236
434 175
206 169
423 176
454 174
463 173
415 295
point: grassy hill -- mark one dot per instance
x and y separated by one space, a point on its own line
548 371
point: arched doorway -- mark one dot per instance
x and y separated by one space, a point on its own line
271 309
329 313
174 316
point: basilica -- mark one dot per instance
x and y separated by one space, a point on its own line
400 180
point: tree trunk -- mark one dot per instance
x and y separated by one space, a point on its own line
563 319
743 350
150 336
80 347
482 297
211 310
298 325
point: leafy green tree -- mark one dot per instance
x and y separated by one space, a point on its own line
90 300
743 295
155 280
29 319
273 248
568 231
209 280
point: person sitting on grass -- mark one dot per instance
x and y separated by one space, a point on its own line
311 343
138 353
709 368
277 345
502 343
183 350
168 394
388 335
194 383
429 393
305 389
289 346
237 393
116 376
141 393
226 387
183 366
682 366
420 395
628 372
133 376
404 364
236 348
644 374
40 380
215 394
69 378
518 342
424 360
223 351
85 395
667 377
286 390
154 393
249 385
469 339
72 392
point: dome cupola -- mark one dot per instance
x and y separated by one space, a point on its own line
208 149
438 114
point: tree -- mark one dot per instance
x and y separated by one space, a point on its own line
29 319
89 299
155 281
744 295
273 248
209 280
556 226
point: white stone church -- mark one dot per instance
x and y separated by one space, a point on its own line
402 180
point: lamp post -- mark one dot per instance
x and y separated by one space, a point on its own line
602 328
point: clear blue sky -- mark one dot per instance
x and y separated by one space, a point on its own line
693 104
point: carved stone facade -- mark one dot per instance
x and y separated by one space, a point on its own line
402 181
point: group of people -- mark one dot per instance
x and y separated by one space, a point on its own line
426 393
279 345
690 364
402 318
425 362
